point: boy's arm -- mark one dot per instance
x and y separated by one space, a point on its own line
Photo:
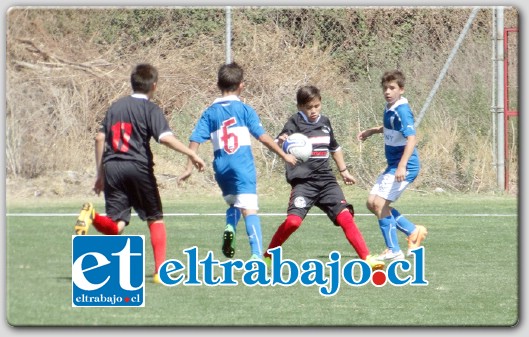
189 166
337 156
100 174
172 142
369 132
272 145
400 173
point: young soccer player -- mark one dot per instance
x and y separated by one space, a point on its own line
229 124
402 168
124 164
313 182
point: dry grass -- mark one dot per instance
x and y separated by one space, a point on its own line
63 70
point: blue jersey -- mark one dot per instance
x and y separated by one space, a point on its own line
398 125
229 124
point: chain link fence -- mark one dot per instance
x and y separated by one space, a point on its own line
73 62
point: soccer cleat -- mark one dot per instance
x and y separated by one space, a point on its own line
416 238
268 261
228 243
156 279
389 255
374 263
255 257
85 219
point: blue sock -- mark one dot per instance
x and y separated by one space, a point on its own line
404 225
388 226
233 215
253 229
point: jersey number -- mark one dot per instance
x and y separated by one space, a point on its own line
120 136
230 140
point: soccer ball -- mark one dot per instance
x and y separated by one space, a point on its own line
299 145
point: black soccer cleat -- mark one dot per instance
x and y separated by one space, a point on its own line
228 244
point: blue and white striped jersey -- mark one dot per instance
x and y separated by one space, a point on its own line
229 124
398 125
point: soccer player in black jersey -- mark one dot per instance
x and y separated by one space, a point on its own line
124 164
313 182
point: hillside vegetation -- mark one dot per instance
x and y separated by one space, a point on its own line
66 65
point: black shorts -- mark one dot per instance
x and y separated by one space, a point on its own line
326 195
131 185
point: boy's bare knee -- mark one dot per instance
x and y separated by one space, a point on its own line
121 226
371 206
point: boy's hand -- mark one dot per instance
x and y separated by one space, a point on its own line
348 179
198 163
99 184
281 139
195 161
186 174
400 174
363 135
290 159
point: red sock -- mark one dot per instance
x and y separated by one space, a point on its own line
158 242
352 233
288 227
105 225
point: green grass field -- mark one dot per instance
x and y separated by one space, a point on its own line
472 266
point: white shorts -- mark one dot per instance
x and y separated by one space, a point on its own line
388 188
244 201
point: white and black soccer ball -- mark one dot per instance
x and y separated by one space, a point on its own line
298 145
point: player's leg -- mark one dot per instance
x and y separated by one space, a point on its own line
415 233
248 205
107 226
403 224
300 202
117 205
346 221
388 227
158 237
143 193
103 224
283 232
332 202
233 215
253 230
385 191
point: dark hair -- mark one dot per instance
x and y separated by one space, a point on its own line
307 93
393 75
230 76
143 77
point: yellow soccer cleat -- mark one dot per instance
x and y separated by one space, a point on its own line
374 263
416 238
85 219
156 279
268 261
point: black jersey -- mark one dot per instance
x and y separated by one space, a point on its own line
129 124
323 142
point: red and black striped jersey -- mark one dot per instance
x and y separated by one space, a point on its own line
323 142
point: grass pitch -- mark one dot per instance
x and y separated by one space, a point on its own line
472 266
